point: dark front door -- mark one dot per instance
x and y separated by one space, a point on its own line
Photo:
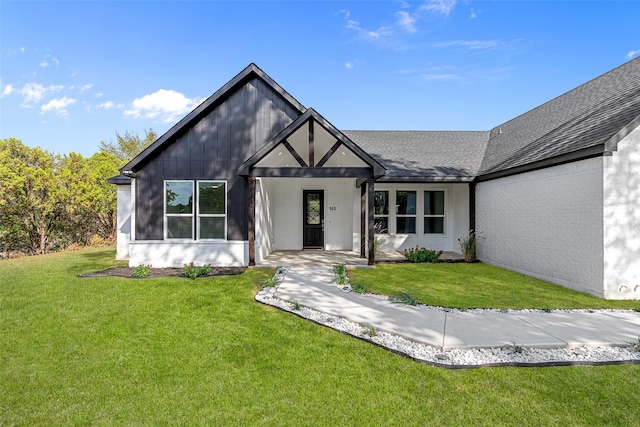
313 219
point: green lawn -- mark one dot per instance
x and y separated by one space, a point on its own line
107 351
476 285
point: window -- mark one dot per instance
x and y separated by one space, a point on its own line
405 212
211 210
178 199
381 212
434 212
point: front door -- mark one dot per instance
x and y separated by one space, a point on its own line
313 219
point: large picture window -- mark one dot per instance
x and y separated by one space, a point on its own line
381 212
434 212
405 212
181 213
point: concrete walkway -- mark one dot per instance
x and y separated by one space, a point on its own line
314 287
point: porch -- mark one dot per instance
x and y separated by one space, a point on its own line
349 258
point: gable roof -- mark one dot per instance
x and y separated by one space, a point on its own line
250 72
424 155
590 119
377 168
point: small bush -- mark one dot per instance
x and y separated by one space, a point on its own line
468 247
422 254
141 271
404 298
194 271
369 330
340 270
359 289
271 282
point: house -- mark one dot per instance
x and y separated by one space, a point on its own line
553 193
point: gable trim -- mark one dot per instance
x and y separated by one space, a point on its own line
612 143
248 167
250 72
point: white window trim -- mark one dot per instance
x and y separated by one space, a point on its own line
388 215
199 215
395 211
166 215
444 216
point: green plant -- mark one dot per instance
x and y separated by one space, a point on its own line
340 270
193 271
422 254
636 344
369 330
141 271
359 288
404 299
468 247
270 282
296 305
516 348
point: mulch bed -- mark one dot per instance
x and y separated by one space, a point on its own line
163 272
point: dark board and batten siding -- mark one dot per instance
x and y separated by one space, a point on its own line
213 148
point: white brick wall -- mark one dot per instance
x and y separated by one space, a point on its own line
622 220
546 223
163 254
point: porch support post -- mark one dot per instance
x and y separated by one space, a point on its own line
472 206
252 220
363 219
370 221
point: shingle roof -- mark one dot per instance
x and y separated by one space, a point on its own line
587 116
442 155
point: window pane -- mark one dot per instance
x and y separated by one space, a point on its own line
179 197
381 203
212 227
381 225
179 227
434 202
434 225
406 203
211 197
406 225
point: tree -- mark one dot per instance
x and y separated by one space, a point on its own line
31 197
127 146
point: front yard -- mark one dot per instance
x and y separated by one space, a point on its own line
116 351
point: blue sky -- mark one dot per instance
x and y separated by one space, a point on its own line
74 73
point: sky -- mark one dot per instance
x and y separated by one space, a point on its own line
74 73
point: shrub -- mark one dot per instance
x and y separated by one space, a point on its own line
468 247
422 254
194 271
359 288
271 282
404 298
141 271
340 270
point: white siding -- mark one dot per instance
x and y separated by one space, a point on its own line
622 220
456 218
546 223
287 211
123 221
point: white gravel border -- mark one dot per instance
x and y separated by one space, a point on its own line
457 358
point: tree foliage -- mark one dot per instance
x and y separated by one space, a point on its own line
48 201
129 145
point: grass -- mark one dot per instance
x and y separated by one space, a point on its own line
463 285
111 351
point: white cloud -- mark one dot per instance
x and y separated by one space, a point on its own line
99 94
8 90
406 21
109 104
58 105
469 44
164 105
632 53
86 87
44 63
349 65
367 34
474 13
443 7
32 92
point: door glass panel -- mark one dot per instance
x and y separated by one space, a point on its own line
313 209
